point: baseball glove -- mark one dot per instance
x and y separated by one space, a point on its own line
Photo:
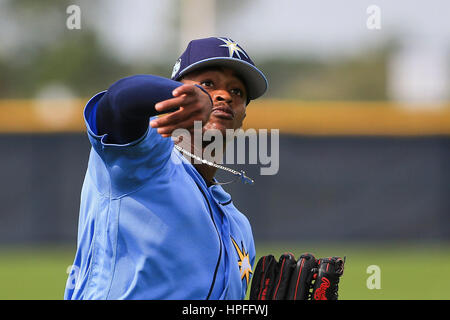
287 279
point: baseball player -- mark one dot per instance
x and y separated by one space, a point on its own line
153 224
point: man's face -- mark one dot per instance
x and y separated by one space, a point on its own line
228 93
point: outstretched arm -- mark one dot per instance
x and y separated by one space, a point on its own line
124 111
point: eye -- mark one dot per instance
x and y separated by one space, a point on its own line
237 92
206 83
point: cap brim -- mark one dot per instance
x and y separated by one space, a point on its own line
254 79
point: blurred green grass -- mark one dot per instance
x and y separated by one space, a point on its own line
408 272
34 273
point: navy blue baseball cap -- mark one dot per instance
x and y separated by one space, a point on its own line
221 52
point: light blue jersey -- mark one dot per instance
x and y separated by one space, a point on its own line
150 228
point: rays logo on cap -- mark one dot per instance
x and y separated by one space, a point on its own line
233 47
176 67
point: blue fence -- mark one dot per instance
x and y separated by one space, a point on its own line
327 188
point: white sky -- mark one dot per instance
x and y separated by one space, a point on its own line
138 28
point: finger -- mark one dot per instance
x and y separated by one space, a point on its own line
170 119
264 278
174 103
286 265
301 279
167 130
187 89
175 117
168 104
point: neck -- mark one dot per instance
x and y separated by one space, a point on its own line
206 171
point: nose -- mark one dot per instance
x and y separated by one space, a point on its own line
222 96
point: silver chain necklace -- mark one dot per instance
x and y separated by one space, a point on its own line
239 174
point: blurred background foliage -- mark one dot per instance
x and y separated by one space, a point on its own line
361 77
43 55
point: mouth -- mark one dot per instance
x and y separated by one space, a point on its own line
223 112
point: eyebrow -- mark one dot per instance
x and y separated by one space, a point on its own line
219 68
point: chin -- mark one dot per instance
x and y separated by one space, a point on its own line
219 124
